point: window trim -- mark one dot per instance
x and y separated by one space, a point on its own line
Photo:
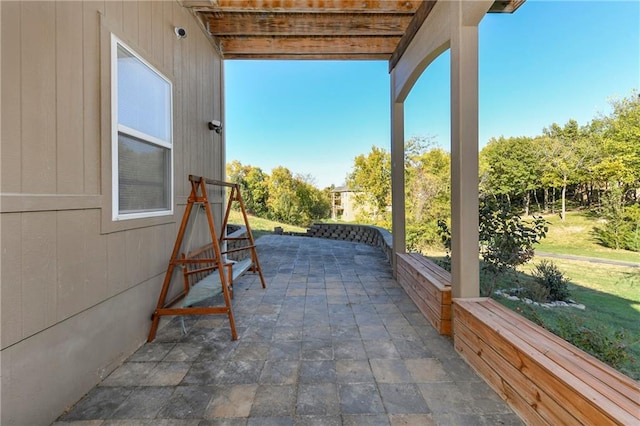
116 128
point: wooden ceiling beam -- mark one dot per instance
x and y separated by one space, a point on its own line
197 3
506 6
309 24
266 46
314 56
418 19
316 29
319 6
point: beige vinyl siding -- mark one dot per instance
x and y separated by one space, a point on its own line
11 155
69 100
59 160
91 117
11 278
50 95
71 278
54 92
38 99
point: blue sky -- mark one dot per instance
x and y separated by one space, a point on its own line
548 62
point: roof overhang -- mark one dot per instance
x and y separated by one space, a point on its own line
315 29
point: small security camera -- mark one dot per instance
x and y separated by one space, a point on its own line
215 125
180 32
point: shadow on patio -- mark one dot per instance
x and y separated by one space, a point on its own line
332 340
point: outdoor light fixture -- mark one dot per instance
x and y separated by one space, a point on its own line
215 125
180 32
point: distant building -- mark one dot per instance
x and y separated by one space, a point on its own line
343 204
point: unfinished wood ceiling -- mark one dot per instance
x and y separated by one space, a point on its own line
315 29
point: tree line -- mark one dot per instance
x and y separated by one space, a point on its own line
280 196
580 162
595 166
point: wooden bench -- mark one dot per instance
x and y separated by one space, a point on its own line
429 286
545 379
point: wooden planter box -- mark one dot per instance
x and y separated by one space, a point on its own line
545 379
429 286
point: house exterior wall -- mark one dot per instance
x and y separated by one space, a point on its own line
77 289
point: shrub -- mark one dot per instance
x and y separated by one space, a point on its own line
608 347
621 227
549 276
535 291
632 236
444 263
612 233
422 237
506 240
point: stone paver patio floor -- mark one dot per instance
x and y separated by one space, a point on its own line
333 340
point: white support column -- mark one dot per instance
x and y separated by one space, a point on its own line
397 175
464 155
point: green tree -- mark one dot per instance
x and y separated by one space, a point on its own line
427 189
282 202
292 199
618 170
613 232
632 217
506 241
257 187
565 156
253 186
621 142
621 228
429 186
371 179
312 203
510 167
428 197
591 178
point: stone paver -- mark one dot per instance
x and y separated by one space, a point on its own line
333 340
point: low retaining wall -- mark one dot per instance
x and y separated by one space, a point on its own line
372 235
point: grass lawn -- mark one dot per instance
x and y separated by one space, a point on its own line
575 236
260 226
611 295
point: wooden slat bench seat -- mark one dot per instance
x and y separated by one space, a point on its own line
545 379
429 286
202 279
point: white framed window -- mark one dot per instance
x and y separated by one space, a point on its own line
141 138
